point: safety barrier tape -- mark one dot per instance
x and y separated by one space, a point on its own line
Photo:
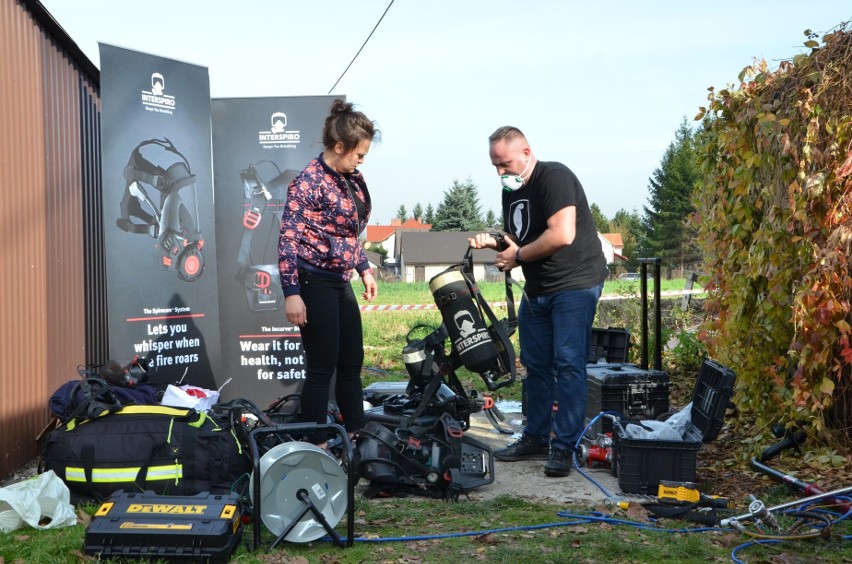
415 307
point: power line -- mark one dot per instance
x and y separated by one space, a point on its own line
362 46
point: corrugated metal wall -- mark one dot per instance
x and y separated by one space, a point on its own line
51 281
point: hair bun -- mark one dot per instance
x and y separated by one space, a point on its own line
339 107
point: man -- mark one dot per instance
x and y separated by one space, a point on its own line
552 237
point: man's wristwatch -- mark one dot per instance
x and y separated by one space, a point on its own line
518 259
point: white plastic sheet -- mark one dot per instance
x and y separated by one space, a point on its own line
43 502
672 429
199 399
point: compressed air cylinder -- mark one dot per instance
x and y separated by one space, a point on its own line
465 326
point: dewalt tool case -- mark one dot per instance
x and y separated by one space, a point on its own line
165 450
201 528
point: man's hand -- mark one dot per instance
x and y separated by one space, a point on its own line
482 241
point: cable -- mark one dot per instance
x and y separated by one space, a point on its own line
362 46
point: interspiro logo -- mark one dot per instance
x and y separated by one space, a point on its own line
155 99
278 136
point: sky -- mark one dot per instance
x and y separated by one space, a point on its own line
599 86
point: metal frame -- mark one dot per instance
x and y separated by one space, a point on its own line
296 428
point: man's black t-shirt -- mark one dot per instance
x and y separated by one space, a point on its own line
552 187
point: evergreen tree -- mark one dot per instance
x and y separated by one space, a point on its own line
417 212
601 221
459 211
666 233
629 225
429 214
491 221
402 214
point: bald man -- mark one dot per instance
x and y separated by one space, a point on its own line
551 235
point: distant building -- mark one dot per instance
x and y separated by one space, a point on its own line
613 246
386 235
423 254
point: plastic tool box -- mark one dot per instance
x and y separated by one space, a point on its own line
609 345
640 464
200 528
626 389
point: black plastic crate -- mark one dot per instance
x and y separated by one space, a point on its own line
626 389
609 345
640 464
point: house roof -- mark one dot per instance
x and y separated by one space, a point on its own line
379 233
439 247
614 238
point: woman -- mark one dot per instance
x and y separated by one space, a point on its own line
328 205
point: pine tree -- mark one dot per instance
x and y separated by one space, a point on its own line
417 212
491 221
429 214
601 221
402 214
666 233
459 211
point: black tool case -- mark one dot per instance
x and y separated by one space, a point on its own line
609 345
626 389
633 391
200 528
640 464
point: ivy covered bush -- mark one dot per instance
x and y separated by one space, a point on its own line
774 214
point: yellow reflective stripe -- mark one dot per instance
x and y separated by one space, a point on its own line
74 474
169 434
198 423
145 409
236 441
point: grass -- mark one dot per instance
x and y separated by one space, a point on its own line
414 529
499 530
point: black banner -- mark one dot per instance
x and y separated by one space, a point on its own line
259 145
160 243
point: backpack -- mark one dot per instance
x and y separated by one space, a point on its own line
147 448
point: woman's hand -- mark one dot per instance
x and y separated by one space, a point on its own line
295 309
371 289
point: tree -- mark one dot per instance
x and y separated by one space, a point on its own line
417 212
459 211
666 233
601 221
429 215
491 221
402 213
629 225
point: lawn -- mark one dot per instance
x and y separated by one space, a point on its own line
506 529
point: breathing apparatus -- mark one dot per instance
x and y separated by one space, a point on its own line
173 224
480 348
416 441
259 277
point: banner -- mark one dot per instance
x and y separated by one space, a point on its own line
259 146
159 238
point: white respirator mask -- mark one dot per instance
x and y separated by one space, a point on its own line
512 182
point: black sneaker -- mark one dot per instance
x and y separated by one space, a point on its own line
525 448
559 463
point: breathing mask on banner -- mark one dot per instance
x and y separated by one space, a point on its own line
166 218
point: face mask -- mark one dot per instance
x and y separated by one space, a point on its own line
513 182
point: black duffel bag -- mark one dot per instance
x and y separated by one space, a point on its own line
166 450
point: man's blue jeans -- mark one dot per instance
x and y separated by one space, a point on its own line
555 331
